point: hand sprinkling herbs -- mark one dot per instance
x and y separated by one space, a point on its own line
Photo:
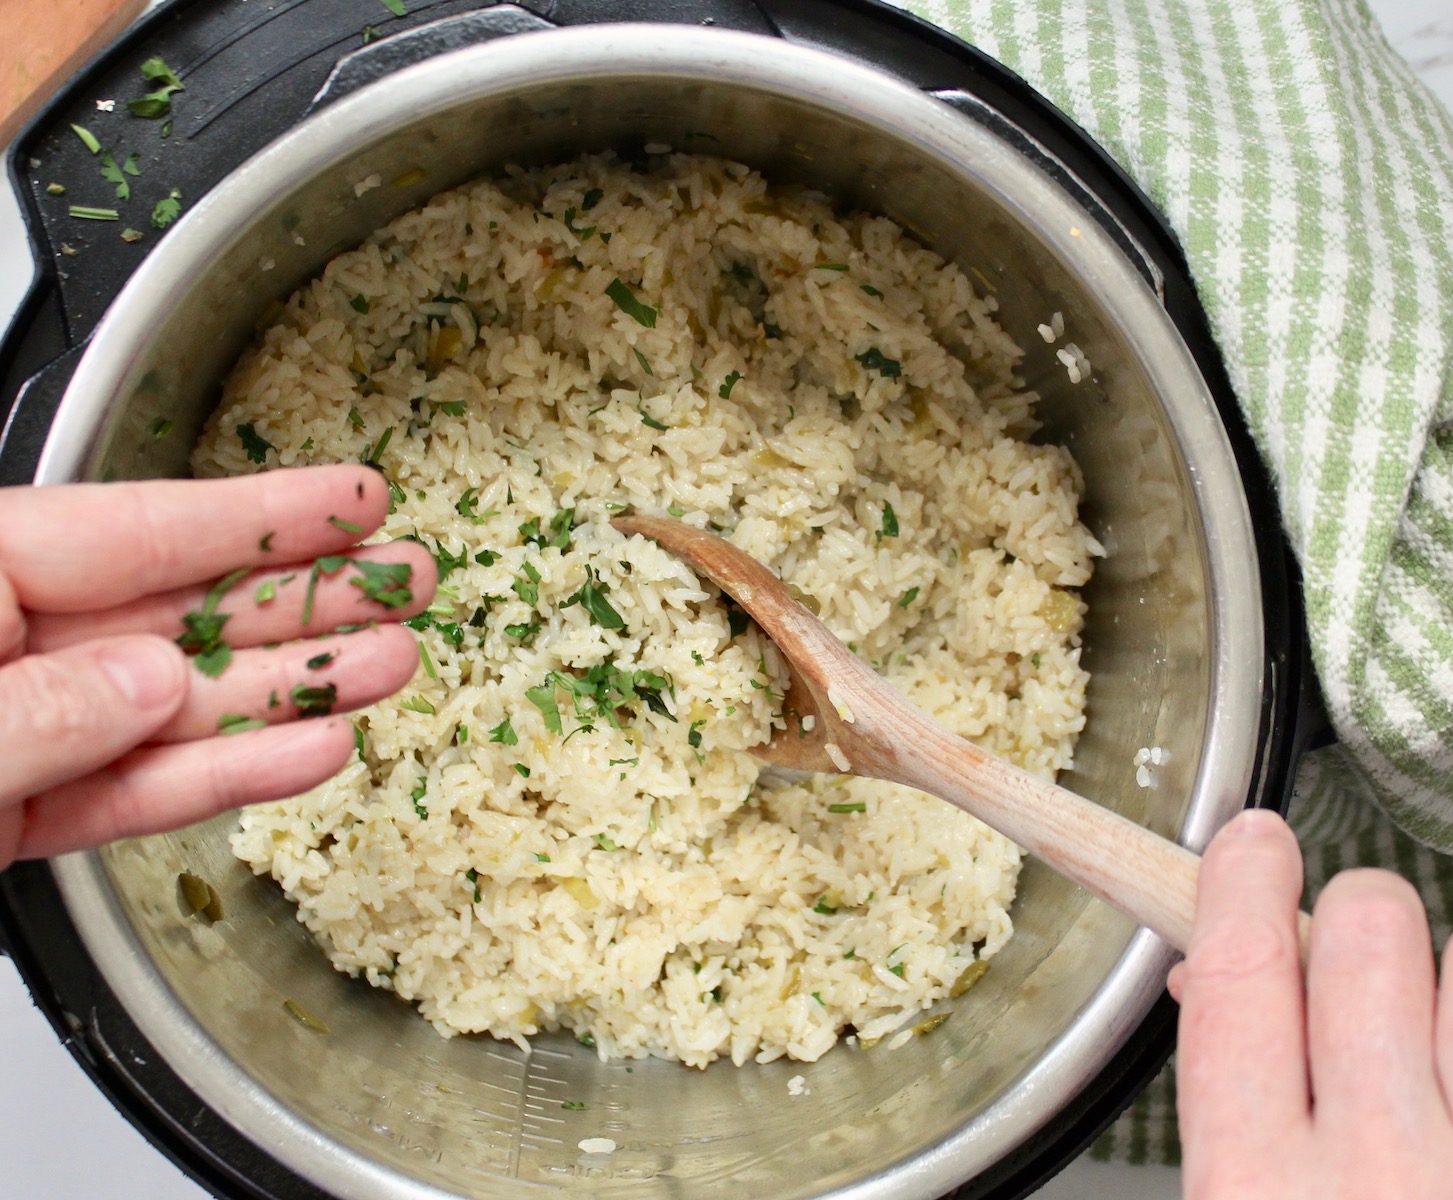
136 553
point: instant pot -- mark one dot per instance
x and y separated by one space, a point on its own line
304 125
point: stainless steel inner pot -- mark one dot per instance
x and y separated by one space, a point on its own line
382 1107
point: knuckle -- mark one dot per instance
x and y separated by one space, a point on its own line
1254 945
14 631
56 707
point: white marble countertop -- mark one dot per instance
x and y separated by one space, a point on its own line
60 1139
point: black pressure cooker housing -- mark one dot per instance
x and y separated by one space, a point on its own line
253 68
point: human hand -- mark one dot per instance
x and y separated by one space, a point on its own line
1336 1090
107 729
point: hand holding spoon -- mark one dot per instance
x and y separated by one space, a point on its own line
842 717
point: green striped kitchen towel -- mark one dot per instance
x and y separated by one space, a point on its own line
1309 176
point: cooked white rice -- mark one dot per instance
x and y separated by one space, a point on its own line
641 885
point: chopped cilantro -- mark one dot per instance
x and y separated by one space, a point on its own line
427 661
648 420
230 723
254 443
852 953
159 428
384 583
419 705
452 408
543 698
319 661
359 304
156 103
487 558
528 588
871 290
84 212
626 301
542 857
355 418
823 907
264 543
473 876
116 174
874 359
604 842
583 232
859 806
591 597
908 597
461 735
818 997
357 737
315 701
725 391
592 197
693 735
573 1105
203 629
559 531
697 659
376 453
329 564
395 6
167 209
737 619
346 526
890 522
55 189
266 592
465 506
523 770
897 969
830 266
417 796
586 1039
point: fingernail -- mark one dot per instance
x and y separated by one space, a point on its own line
144 670
1255 822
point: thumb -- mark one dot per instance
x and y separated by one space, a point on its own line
63 715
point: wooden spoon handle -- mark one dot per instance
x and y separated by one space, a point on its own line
1149 878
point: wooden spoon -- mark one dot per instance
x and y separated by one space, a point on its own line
841 717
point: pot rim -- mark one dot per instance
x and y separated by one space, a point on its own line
895 110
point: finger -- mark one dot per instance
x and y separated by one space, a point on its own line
1173 981
334 674
1443 1032
1370 1007
13 628
1241 1077
84 547
166 787
63 715
267 606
